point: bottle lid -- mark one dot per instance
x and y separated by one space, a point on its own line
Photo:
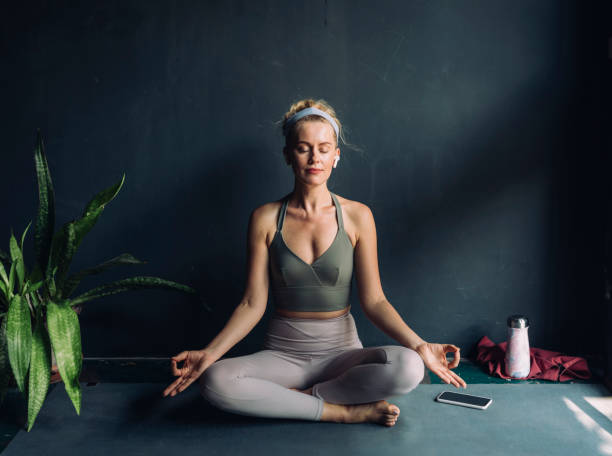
518 321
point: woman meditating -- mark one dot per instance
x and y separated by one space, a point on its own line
304 248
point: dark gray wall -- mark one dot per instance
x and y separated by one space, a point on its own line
478 122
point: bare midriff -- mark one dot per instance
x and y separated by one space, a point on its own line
316 315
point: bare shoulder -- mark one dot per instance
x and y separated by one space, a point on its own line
263 220
357 217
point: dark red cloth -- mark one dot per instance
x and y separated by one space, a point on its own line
545 364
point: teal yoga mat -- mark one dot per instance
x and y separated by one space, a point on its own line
133 419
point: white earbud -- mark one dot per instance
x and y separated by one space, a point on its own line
336 160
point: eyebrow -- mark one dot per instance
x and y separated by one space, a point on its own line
306 142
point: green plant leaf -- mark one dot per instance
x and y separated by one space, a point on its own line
40 372
35 286
3 276
11 283
65 336
73 281
5 367
23 236
17 258
132 283
64 246
103 198
65 243
19 339
34 300
45 218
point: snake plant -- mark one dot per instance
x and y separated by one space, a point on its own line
37 307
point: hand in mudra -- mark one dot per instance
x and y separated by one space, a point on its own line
434 357
195 362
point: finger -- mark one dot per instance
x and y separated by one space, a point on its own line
456 360
183 386
181 371
181 356
451 378
443 375
172 387
460 380
455 379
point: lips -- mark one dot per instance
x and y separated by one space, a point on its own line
314 170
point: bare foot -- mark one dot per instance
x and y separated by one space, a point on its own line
381 412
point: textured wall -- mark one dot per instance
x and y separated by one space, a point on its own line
477 125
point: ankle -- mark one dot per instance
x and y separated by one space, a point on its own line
335 412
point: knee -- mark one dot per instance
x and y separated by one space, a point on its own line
215 382
408 370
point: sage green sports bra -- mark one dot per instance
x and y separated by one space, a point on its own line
323 285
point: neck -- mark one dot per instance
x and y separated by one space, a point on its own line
310 199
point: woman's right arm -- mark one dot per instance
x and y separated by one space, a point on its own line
244 318
253 304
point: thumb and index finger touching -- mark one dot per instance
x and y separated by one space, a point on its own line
180 357
456 352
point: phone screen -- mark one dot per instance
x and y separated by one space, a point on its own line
465 398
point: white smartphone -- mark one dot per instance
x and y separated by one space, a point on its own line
465 400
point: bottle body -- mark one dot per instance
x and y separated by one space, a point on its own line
518 361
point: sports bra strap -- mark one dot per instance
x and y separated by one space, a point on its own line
281 216
283 211
338 212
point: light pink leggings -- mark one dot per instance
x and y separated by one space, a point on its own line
300 353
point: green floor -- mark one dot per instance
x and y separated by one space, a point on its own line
155 371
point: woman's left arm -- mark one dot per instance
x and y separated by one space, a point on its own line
380 311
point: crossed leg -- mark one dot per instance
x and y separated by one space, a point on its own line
366 376
258 385
347 387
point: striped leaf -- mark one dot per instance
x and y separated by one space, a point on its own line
133 283
40 372
5 366
17 258
65 336
32 287
62 250
45 218
66 242
19 339
11 282
73 281
103 198
3 275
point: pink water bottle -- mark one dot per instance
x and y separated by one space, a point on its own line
518 362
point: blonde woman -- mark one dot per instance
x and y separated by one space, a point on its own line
305 248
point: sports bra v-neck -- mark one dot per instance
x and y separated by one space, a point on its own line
324 285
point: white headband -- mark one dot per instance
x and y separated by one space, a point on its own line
308 111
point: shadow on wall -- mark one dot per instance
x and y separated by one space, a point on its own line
514 143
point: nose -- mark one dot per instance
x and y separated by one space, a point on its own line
314 156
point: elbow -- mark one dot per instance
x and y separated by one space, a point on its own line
256 303
370 306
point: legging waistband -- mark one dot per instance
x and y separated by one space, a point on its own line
282 317
312 336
